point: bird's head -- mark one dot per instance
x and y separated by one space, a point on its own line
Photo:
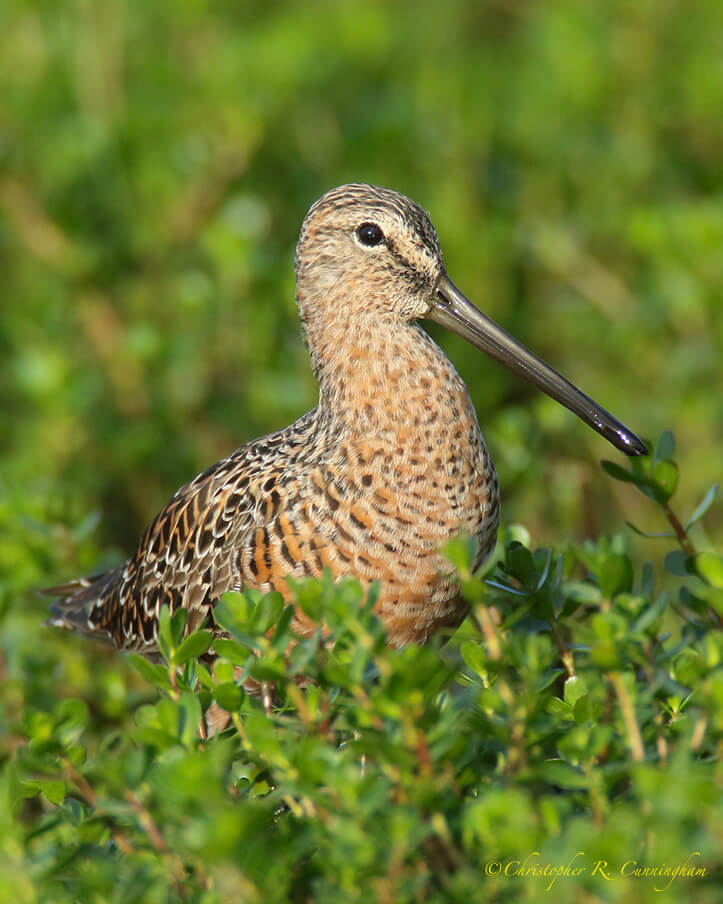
369 259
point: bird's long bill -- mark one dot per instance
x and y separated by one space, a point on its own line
454 311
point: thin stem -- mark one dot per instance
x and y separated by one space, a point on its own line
87 791
147 822
680 531
628 712
565 652
176 868
685 544
698 733
489 632
173 678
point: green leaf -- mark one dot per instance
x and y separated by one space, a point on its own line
575 687
158 724
72 718
460 551
675 562
268 669
705 504
647 579
28 788
520 561
665 447
224 671
153 672
178 625
54 790
618 472
262 735
557 772
650 614
235 606
165 635
643 533
582 710
228 696
558 707
204 676
189 718
545 560
192 647
710 567
232 650
282 630
474 656
234 613
267 612
583 592
606 654
546 679
665 475
615 574
309 595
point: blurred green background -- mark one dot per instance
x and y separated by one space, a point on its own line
156 161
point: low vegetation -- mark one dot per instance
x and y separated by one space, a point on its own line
567 737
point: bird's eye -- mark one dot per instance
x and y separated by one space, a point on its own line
370 234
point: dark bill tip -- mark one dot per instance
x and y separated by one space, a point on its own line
452 310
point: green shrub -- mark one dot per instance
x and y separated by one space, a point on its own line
575 720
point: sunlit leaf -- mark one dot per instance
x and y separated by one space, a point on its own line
192 647
665 475
703 507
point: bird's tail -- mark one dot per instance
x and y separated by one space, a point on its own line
74 610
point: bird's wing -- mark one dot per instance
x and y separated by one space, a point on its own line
188 556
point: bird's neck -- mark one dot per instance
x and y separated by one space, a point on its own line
384 377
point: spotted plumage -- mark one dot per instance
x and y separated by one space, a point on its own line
372 482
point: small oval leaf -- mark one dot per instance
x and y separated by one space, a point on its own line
228 696
675 563
617 472
575 687
665 475
193 646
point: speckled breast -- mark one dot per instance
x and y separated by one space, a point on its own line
385 489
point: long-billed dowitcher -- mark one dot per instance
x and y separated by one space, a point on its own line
371 482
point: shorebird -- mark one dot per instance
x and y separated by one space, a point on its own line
373 481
